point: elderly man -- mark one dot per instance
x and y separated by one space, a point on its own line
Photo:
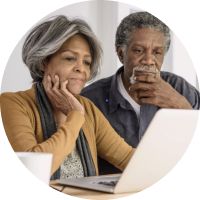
131 97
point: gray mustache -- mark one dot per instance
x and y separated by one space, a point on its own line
143 68
146 68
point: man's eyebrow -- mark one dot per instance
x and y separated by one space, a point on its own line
143 44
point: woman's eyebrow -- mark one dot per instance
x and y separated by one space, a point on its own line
70 50
64 50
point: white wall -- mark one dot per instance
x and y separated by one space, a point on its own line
103 17
182 63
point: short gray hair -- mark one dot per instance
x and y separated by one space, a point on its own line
138 20
47 38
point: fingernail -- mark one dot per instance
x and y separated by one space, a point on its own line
135 78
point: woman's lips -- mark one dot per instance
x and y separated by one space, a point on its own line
78 80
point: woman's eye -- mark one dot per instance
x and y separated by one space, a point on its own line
88 63
70 58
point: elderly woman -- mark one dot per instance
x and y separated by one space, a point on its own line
62 55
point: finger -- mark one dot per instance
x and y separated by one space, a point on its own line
48 83
44 81
65 90
145 93
56 87
148 100
56 82
140 86
52 89
63 85
149 78
154 101
48 87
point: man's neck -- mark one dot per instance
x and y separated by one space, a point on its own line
126 86
125 82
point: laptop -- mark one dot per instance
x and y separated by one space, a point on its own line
162 145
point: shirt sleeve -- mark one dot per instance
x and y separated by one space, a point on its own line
20 126
184 88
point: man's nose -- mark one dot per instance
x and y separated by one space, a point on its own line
148 59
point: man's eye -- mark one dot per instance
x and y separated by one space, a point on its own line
158 53
137 51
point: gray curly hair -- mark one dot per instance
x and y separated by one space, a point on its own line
139 20
47 38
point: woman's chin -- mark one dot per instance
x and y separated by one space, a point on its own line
75 90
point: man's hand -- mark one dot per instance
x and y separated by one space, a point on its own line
152 89
60 97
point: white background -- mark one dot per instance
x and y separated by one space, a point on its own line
103 17
16 17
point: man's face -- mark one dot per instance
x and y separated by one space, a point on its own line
146 47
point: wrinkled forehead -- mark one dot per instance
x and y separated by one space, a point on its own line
76 43
147 36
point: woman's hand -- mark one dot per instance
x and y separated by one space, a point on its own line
60 97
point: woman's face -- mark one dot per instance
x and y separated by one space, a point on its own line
71 62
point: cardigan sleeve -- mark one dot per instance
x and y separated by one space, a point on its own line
110 146
20 126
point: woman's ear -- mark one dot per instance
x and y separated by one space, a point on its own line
120 54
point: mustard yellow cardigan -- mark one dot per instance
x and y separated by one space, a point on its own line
22 124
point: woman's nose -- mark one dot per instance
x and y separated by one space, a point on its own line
79 67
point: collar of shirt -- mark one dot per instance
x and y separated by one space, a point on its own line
125 94
115 98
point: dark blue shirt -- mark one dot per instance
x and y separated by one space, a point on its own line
121 115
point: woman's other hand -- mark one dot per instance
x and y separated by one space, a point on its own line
60 97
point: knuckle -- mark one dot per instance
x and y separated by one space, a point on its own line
153 93
47 89
54 89
156 100
147 78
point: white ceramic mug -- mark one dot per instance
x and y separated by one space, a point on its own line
38 163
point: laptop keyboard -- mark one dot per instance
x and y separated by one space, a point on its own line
110 183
